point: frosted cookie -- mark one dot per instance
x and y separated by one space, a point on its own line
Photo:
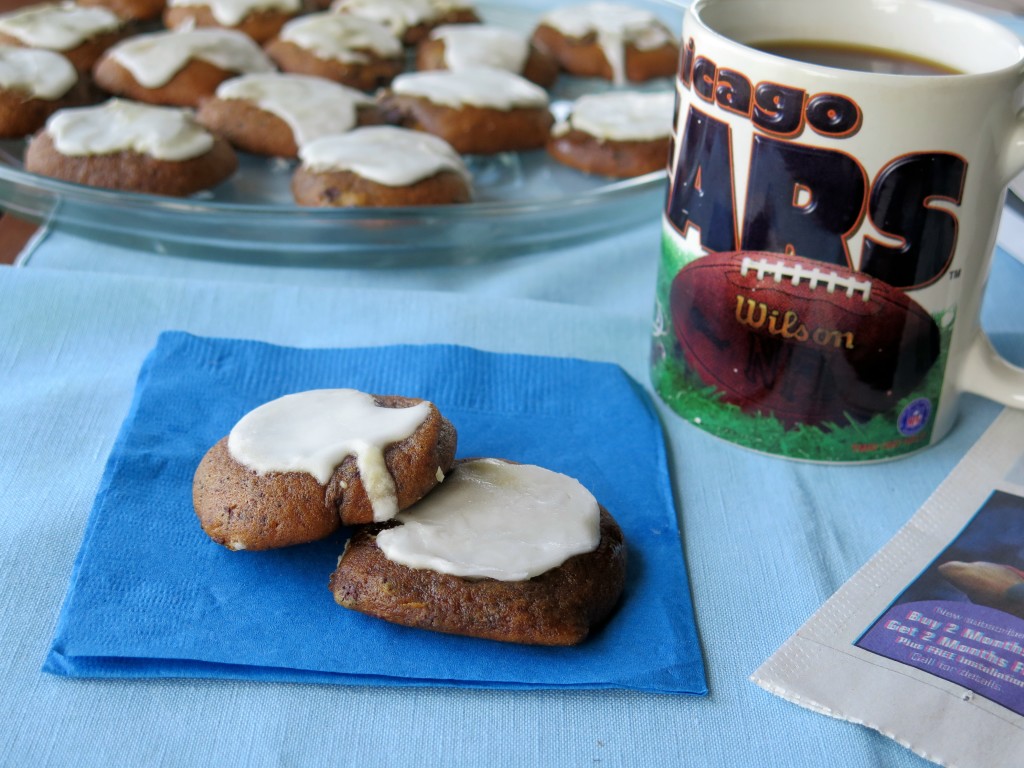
461 47
178 68
502 551
617 133
410 20
357 52
481 111
297 468
130 146
380 166
275 114
33 85
616 42
129 10
259 19
80 34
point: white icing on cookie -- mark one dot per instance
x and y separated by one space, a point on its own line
615 26
231 13
342 37
468 46
42 74
492 519
315 431
447 6
155 58
397 15
165 133
395 157
480 87
311 106
58 27
622 116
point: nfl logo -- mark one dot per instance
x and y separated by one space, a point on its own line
914 417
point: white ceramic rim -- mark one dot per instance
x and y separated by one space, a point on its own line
957 37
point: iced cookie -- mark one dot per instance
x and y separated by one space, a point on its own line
259 19
461 47
410 20
502 551
178 68
380 166
275 114
481 111
616 42
357 52
33 85
80 34
617 133
130 146
129 10
297 468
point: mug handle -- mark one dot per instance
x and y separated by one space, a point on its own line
1013 160
988 374
985 372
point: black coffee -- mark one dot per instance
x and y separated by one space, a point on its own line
855 58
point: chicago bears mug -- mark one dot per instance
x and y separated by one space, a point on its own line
836 179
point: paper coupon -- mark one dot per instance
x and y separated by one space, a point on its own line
926 642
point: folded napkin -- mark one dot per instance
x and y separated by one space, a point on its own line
152 596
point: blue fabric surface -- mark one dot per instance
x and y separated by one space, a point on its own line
572 274
165 601
766 541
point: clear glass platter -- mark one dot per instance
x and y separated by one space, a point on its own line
524 201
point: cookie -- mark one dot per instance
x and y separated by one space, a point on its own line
274 114
33 85
129 10
178 68
410 20
618 133
259 19
129 146
461 47
297 468
616 42
80 34
380 166
502 551
479 112
357 52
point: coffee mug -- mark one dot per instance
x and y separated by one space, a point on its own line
835 184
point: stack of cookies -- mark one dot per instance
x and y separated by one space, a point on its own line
481 547
183 85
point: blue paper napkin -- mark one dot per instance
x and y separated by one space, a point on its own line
152 596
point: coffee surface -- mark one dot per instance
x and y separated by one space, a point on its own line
854 57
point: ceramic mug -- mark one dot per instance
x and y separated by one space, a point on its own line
828 231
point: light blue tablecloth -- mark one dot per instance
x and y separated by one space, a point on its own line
767 541
615 274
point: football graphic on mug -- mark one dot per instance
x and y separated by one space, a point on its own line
802 340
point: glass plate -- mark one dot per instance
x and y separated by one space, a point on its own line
524 201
